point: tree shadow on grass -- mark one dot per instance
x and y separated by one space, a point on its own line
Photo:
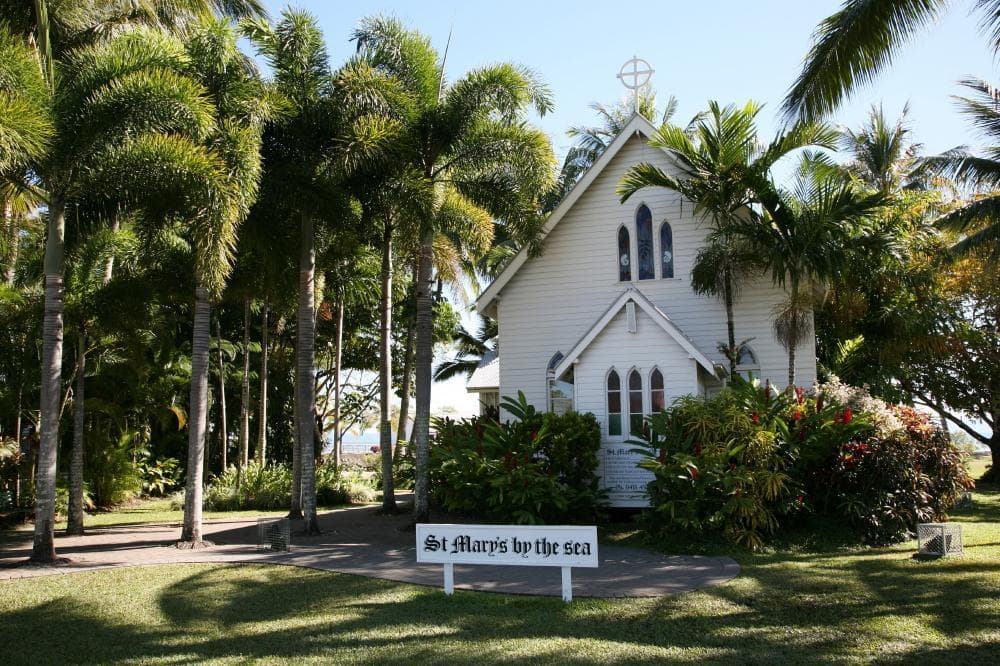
782 610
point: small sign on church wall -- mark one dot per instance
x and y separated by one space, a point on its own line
621 477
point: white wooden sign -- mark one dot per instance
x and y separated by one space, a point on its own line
564 546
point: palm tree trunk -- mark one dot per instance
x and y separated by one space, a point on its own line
223 421
424 360
245 390
262 417
794 332
385 373
109 264
19 481
306 375
295 510
338 355
74 521
11 229
198 417
727 288
406 389
43 546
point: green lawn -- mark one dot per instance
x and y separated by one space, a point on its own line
159 511
789 605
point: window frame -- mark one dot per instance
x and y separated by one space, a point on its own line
607 403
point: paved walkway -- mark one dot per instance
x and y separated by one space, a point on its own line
361 542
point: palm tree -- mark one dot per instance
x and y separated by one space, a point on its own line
332 129
722 162
102 86
854 45
471 350
592 140
981 174
882 154
296 53
465 141
240 108
802 240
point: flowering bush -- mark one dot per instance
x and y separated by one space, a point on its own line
752 459
538 468
884 485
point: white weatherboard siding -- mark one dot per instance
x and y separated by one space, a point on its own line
554 299
643 350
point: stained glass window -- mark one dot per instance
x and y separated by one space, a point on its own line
614 404
656 394
666 251
624 256
644 237
635 403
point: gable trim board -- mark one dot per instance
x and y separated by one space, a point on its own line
633 295
485 304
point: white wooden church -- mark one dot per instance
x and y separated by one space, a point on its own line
605 320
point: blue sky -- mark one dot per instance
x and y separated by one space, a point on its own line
728 50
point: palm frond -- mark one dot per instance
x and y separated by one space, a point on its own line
851 48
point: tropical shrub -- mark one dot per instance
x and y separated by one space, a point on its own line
752 460
159 476
269 487
535 469
110 463
261 487
883 486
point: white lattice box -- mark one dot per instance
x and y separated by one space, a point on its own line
939 539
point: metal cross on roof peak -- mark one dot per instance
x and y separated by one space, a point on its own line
638 71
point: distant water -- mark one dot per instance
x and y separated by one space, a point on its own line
362 443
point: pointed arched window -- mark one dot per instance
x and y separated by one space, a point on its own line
644 237
666 251
624 256
657 401
634 403
614 404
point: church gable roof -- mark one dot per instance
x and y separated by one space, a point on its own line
637 125
657 315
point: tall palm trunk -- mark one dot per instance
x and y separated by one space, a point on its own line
43 546
11 229
727 288
223 421
74 520
306 375
198 417
385 372
424 360
245 390
406 389
262 416
295 510
109 264
793 337
338 355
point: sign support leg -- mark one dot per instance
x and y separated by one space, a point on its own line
567 584
449 578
